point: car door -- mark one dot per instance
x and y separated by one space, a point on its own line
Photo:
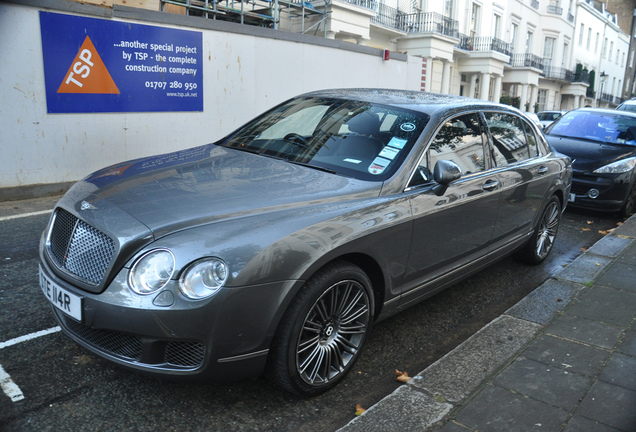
522 174
454 228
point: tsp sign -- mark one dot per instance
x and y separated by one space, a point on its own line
95 65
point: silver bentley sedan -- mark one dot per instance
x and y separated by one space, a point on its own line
274 250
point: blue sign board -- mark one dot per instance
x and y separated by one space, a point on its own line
97 65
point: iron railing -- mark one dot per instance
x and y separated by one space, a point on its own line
526 60
483 44
555 10
434 22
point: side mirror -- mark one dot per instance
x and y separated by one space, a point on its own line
444 173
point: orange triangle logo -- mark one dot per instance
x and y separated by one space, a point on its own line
88 74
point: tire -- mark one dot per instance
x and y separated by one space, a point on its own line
322 332
540 244
629 207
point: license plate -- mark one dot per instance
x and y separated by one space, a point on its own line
62 299
572 197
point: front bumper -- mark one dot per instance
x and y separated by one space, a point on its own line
612 192
221 338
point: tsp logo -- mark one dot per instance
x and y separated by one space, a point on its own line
88 74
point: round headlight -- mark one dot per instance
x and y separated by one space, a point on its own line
151 271
203 278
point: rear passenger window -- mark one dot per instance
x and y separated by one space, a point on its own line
532 140
509 138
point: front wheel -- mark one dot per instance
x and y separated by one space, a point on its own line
542 240
323 330
629 207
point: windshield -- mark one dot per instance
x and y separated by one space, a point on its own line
548 115
352 138
593 126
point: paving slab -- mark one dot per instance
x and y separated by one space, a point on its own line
586 331
544 303
500 410
554 386
567 355
610 405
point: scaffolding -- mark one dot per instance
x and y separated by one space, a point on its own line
291 15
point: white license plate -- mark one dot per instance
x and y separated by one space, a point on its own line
62 299
572 197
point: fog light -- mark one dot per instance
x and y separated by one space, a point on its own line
593 193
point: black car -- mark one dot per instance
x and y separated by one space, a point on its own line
278 247
602 145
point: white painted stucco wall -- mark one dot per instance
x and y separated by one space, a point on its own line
244 74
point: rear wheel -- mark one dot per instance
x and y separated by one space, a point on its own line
542 240
323 331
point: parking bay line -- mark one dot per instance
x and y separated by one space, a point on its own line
9 387
17 216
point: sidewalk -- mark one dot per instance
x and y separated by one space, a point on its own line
562 359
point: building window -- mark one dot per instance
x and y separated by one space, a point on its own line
589 38
529 42
513 36
611 50
596 43
449 8
475 20
542 99
548 51
581 34
496 31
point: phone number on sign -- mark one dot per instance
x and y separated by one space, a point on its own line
161 85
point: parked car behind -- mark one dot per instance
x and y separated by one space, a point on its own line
546 118
278 247
602 145
535 118
628 105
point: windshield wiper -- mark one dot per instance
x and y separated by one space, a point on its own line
319 168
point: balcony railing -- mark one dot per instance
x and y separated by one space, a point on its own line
483 44
428 22
387 16
557 73
526 60
606 97
570 17
555 10
590 93
535 4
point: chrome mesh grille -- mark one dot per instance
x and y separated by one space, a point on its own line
185 353
116 343
79 248
176 353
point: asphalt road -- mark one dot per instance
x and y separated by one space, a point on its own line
50 383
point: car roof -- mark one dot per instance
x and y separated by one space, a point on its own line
425 102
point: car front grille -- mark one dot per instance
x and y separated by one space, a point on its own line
79 249
130 348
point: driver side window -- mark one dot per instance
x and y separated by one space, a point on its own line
459 140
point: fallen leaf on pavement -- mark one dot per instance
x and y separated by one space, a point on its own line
359 409
586 229
402 376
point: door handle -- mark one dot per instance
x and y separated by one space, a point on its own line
542 170
490 185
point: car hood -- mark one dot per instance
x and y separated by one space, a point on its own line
590 155
207 184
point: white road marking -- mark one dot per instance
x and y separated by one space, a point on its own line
37 213
28 337
9 387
